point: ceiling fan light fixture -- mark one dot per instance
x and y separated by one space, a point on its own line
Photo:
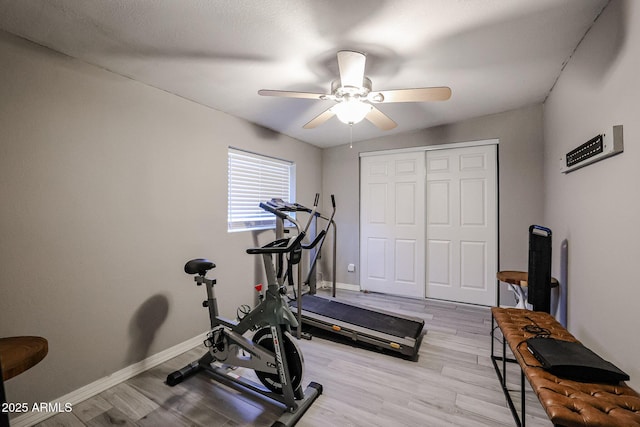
353 96
351 111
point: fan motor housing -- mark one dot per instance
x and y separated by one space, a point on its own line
340 91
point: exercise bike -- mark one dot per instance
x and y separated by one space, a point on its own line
272 352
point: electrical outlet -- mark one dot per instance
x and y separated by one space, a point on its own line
351 268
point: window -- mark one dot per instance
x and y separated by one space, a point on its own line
254 178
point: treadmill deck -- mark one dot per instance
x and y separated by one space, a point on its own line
365 318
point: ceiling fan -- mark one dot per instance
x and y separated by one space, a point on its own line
355 98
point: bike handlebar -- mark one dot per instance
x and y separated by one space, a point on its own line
312 213
280 246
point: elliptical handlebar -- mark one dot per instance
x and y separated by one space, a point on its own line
312 212
317 240
281 246
287 245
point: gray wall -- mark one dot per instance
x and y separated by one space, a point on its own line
108 186
520 186
597 208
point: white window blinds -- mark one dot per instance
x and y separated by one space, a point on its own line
253 178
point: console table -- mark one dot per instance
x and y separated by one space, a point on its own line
518 280
17 354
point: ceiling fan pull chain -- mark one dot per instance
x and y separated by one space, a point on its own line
350 135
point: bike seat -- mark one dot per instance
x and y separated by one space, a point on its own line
198 266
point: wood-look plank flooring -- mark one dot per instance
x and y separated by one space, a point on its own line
452 384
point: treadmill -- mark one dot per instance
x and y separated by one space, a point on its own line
383 330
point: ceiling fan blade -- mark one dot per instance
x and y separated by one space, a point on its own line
411 95
290 94
320 119
351 66
381 120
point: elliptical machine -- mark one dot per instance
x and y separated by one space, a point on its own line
272 352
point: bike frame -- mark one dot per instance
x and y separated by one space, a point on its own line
228 346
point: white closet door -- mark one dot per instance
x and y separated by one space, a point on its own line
461 224
392 227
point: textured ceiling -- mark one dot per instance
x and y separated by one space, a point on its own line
495 55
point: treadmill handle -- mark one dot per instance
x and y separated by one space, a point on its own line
276 212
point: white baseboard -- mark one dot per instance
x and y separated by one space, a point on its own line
325 284
98 386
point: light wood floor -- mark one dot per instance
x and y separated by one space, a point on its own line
452 384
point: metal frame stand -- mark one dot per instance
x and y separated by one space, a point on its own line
502 374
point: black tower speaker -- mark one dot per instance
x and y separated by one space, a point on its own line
539 281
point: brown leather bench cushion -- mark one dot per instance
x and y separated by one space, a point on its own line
567 403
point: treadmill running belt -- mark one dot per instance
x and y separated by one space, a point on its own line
364 318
